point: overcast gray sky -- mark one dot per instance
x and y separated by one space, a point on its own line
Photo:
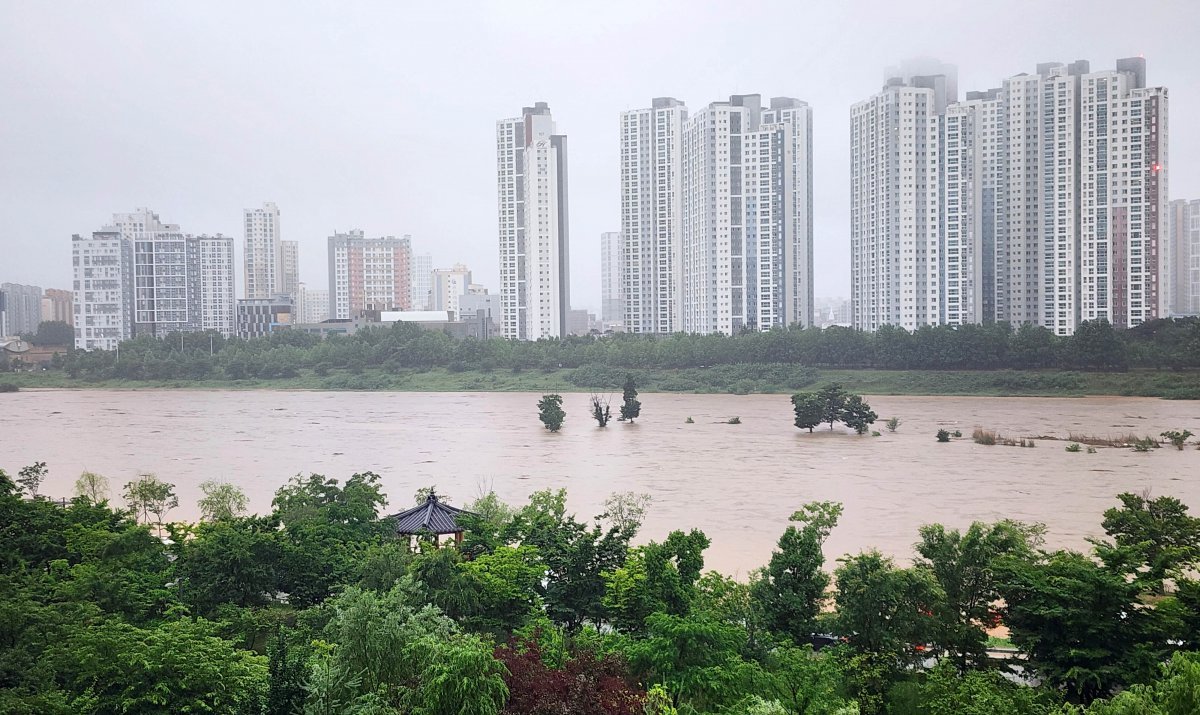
381 116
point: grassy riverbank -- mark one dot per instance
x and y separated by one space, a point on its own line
737 379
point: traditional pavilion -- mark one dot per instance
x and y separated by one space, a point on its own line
434 517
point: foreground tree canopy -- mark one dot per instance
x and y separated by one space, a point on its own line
316 608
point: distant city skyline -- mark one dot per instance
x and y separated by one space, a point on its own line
228 118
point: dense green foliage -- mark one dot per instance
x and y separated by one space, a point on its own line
780 360
316 608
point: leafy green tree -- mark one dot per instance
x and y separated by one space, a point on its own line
327 528
696 660
575 557
1079 623
807 683
809 409
964 564
656 578
287 671
92 486
833 403
551 413
857 414
113 667
947 692
389 654
884 610
631 407
222 501
1160 533
791 589
148 495
507 582
236 561
1176 692
31 477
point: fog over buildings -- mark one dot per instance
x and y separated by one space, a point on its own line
383 117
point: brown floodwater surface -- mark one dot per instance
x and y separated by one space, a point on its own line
738 483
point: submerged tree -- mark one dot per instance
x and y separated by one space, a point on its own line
857 414
809 410
833 402
551 413
600 411
631 407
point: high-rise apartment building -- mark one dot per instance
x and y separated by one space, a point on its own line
1041 201
103 289
57 305
422 280
895 196
140 276
531 168
22 308
612 264
166 274
312 304
369 273
289 254
650 276
745 257
1183 250
449 286
263 253
217 303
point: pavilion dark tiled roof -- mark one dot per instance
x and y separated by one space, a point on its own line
434 517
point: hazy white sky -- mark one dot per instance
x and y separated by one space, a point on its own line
381 116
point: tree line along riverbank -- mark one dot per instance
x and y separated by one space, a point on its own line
320 606
1158 359
731 379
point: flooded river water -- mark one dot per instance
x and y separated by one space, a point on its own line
739 483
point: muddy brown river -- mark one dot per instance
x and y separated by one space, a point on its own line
739 483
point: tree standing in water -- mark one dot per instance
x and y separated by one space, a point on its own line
630 407
551 413
600 411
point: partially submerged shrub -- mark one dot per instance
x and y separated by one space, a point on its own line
1177 437
1074 447
943 436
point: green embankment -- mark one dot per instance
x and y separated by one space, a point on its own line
736 379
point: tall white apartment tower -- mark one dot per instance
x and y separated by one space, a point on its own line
651 213
1123 195
103 289
1183 248
612 264
746 249
1052 189
531 169
896 180
217 303
263 251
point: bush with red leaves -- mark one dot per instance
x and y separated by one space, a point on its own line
586 685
